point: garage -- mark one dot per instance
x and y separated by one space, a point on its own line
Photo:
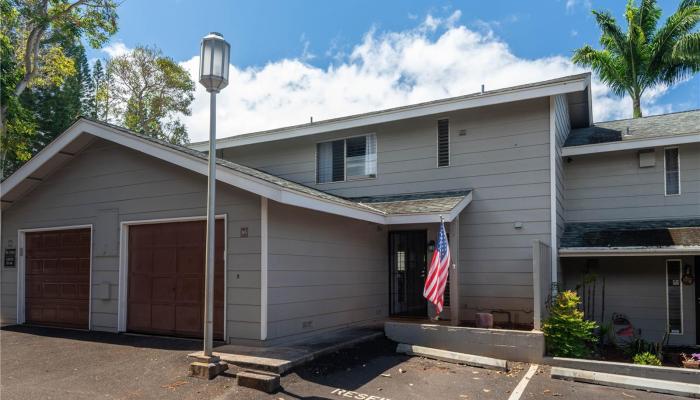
57 278
166 279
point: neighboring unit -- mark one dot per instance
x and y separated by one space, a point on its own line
332 223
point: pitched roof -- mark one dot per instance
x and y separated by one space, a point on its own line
416 203
676 233
657 126
244 177
567 84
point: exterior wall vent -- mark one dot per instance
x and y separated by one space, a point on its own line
647 158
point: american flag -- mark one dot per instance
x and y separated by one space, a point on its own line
438 271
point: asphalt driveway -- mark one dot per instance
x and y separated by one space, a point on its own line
44 363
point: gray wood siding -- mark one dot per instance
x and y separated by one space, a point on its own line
107 184
324 271
503 156
611 186
562 129
636 287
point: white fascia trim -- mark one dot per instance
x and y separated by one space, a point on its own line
628 251
429 218
422 110
630 145
195 164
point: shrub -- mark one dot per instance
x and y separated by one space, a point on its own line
567 334
646 358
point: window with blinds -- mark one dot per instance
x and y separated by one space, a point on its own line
674 296
672 171
346 159
443 143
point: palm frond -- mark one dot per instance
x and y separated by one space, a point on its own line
676 27
606 65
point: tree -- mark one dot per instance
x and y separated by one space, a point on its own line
32 34
148 91
100 94
644 56
56 107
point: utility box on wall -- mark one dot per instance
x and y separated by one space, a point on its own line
647 158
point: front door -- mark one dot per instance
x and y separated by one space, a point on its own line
407 271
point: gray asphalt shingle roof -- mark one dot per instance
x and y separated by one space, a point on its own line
651 233
403 204
673 124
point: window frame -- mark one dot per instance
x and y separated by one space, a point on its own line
678 161
437 143
680 280
345 158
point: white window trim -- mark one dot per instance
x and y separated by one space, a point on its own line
437 144
680 278
345 161
21 268
122 292
678 157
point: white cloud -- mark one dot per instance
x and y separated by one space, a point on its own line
116 49
439 58
572 4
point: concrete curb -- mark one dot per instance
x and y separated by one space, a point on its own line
685 375
627 382
451 356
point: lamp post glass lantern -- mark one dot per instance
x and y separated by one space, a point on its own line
213 75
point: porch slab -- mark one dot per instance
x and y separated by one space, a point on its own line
504 344
280 359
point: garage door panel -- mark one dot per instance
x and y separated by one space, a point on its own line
57 279
162 289
171 266
164 260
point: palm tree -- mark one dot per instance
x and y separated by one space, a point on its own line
644 56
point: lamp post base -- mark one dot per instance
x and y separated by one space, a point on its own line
207 367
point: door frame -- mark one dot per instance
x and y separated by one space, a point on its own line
21 268
123 293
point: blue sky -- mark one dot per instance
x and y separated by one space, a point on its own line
292 58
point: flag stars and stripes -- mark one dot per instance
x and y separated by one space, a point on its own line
438 272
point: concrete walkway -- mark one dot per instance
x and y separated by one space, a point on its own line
281 359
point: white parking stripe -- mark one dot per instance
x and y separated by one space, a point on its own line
518 391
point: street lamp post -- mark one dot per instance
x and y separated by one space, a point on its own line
213 75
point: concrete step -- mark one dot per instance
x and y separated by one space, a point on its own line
268 383
454 357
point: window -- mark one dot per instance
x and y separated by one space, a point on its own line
674 296
443 142
672 171
346 159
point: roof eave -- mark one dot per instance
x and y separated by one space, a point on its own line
572 84
628 251
630 145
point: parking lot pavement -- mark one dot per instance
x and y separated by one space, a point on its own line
43 363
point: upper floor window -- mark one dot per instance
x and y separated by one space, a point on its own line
443 143
346 159
672 171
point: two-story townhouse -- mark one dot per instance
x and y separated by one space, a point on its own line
323 225
632 215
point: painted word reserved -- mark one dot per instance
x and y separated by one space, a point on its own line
355 395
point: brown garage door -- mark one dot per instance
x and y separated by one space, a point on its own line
166 279
57 278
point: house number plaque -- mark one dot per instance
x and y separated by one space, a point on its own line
10 258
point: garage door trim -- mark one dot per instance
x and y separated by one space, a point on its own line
21 268
124 262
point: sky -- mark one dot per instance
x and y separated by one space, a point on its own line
292 60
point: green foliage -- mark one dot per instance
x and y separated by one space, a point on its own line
643 57
638 345
147 92
43 80
646 358
567 334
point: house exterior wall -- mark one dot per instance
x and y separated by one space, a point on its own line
107 184
636 287
612 186
562 128
501 152
324 272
